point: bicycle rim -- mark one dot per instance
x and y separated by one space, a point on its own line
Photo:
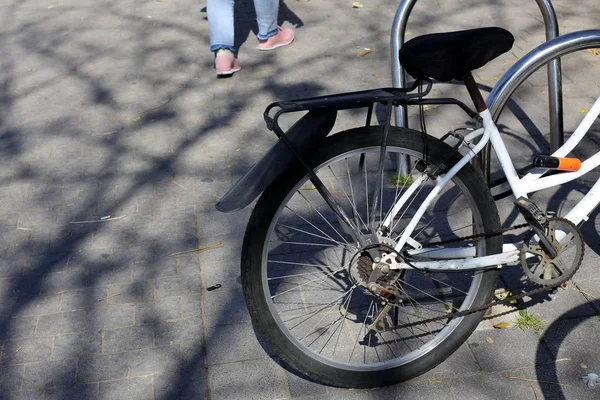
314 278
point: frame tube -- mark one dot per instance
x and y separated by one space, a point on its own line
490 130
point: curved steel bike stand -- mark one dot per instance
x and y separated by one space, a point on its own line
554 73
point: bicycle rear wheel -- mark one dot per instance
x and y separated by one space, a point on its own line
305 279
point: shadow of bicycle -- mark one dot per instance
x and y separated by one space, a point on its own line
573 339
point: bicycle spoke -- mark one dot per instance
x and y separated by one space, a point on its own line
366 190
424 292
315 280
364 325
322 217
319 321
313 234
355 211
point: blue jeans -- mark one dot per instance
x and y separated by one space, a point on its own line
220 21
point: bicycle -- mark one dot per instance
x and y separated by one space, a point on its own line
360 276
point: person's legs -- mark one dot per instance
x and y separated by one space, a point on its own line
220 24
266 17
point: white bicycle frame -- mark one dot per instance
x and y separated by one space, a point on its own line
463 258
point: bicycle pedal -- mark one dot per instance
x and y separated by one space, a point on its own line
532 213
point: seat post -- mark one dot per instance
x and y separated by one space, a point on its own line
475 93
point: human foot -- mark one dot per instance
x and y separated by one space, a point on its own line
226 63
283 37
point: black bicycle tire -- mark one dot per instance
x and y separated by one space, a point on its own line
258 227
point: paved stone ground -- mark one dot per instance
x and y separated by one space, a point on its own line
115 142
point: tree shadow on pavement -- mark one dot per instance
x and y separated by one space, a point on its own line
115 142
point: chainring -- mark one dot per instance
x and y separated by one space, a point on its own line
539 267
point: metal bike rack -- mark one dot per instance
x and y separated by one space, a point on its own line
535 59
554 75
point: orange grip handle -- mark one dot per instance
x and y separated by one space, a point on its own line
569 164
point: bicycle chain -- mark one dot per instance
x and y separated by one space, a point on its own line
476 309
476 236
484 307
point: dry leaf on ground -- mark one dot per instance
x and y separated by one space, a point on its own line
365 51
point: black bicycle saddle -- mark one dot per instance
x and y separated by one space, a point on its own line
453 55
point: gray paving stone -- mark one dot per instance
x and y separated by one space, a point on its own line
74 321
225 308
494 357
561 380
167 266
136 388
229 250
11 377
111 317
64 280
22 287
89 298
460 363
155 360
49 373
168 286
28 395
570 338
40 305
154 312
232 343
563 305
216 223
191 306
490 386
586 278
77 345
131 292
254 379
177 331
6 308
301 386
103 368
131 338
417 390
180 385
19 328
75 392
28 350
226 274
109 273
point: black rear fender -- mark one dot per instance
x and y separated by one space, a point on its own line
305 135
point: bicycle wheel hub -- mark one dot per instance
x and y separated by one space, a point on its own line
374 276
